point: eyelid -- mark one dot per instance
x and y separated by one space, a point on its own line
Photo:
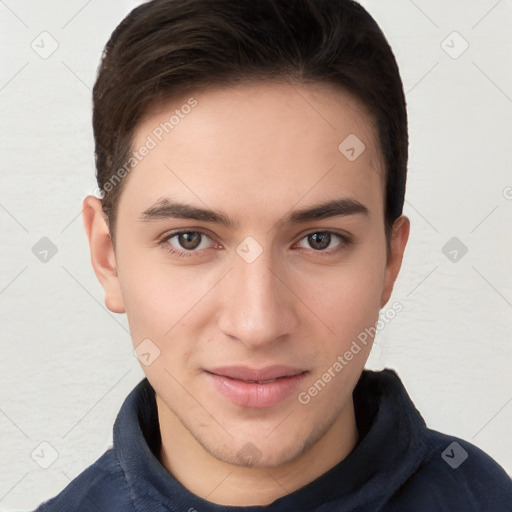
164 242
170 234
344 235
344 238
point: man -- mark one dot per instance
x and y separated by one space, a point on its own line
252 157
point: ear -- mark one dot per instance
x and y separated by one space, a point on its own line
102 253
399 237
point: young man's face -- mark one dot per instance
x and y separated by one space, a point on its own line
267 279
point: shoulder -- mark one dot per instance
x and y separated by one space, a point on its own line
101 486
456 475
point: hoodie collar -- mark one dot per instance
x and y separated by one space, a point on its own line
391 446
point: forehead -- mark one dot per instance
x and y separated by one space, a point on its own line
259 144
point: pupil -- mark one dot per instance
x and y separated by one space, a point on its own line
319 240
189 240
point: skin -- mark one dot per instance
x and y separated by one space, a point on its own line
256 153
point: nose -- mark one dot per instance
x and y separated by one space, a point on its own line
258 307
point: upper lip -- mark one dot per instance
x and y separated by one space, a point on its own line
261 374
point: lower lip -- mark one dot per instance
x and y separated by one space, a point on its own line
253 394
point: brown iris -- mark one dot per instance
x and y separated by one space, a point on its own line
319 241
189 240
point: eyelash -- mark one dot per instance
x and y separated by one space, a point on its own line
169 248
345 242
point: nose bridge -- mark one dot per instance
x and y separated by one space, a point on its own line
256 309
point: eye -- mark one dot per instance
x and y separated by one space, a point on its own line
322 240
184 243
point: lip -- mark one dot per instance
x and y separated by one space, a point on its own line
233 383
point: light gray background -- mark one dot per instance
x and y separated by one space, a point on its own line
66 362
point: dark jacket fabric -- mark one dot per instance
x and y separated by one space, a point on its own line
398 465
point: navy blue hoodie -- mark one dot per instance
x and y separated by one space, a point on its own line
398 465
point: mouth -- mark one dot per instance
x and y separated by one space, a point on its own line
256 388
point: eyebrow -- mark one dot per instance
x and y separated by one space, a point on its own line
165 209
336 208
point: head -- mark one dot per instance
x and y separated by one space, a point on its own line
273 136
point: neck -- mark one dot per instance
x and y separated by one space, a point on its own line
231 485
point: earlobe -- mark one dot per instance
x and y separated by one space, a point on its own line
102 253
399 237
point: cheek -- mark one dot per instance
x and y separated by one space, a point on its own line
349 306
145 300
160 299
347 298
162 307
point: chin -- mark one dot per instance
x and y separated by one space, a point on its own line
257 454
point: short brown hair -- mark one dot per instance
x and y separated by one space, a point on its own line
165 48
